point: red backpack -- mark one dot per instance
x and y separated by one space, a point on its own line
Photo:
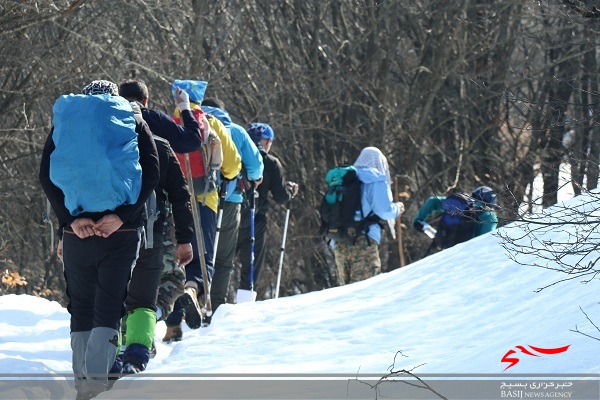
206 161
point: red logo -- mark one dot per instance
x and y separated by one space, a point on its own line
514 360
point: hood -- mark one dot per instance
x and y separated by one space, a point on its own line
368 175
219 114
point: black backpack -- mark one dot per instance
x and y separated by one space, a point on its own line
341 210
457 222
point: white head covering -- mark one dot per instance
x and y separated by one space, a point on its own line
372 157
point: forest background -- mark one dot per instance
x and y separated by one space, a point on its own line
455 93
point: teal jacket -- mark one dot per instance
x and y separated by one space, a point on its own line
487 219
251 158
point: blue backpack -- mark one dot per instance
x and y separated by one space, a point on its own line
458 220
96 157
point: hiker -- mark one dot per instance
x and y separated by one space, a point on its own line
100 218
466 217
141 307
183 139
282 192
252 163
358 259
207 203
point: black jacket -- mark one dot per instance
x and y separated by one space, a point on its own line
132 215
183 139
172 186
274 182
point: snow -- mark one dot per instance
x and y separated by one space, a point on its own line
457 311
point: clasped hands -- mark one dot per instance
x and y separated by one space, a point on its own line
104 227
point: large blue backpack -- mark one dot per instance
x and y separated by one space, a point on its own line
458 220
96 157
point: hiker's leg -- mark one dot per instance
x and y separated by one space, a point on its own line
145 278
225 253
114 270
365 260
342 253
141 303
243 252
80 276
260 235
193 270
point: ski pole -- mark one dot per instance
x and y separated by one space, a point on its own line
282 251
199 240
222 194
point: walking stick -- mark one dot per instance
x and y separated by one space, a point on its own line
199 241
399 230
285 227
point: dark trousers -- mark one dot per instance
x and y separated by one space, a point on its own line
97 271
193 271
145 278
243 247
226 248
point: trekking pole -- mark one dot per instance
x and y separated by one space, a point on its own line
285 227
222 194
253 199
199 240
400 247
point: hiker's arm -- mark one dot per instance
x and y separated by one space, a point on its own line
150 175
487 222
279 189
383 204
251 158
183 139
179 197
54 194
432 206
232 162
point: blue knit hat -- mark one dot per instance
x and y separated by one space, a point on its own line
258 131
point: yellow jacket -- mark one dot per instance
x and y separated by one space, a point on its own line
232 162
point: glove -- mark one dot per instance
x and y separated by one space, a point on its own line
182 99
418 225
400 207
292 187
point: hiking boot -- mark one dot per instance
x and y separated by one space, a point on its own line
131 368
173 334
189 302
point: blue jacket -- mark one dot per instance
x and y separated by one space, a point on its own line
251 158
376 198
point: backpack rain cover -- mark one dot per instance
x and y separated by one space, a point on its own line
96 159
